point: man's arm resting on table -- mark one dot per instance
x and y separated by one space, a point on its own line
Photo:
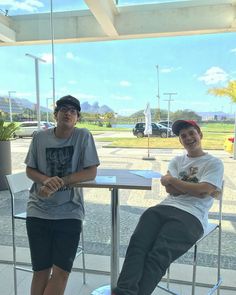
195 189
86 174
52 184
49 184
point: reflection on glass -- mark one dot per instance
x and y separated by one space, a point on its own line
32 7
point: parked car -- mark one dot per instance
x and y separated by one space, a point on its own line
28 128
165 123
229 145
157 130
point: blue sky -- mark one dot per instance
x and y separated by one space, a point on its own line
123 74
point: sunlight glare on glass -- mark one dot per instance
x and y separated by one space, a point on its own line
141 2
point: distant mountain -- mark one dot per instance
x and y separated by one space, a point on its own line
18 104
95 108
217 116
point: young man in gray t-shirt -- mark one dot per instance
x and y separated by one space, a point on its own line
169 229
57 159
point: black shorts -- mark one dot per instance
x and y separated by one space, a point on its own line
53 242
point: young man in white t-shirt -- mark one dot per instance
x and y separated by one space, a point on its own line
167 230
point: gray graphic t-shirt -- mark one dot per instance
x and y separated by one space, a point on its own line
59 160
54 156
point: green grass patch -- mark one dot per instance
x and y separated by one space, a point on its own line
210 141
93 127
206 127
217 127
154 142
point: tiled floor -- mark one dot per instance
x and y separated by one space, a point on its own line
75 285
97 226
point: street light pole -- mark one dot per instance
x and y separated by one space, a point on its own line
36 61
169 101
53 57
47 105
158 96
10 105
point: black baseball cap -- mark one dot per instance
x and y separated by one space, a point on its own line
180 124
69 100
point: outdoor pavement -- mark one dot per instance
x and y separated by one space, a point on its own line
132 203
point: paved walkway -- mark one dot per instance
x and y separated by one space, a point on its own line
132 203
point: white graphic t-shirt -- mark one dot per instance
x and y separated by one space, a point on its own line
205 168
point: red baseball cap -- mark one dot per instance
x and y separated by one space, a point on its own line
180 124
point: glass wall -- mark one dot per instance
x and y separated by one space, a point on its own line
121 76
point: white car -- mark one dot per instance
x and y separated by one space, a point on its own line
165 123
29 128
169 129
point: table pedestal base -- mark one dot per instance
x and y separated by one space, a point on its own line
104 290
149 158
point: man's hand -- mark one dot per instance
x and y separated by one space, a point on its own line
45 192
54 183
50 186
166 179
170 189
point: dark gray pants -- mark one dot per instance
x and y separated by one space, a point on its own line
163 234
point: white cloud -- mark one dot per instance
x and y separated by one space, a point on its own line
72 82
71 56
169 69
27 5
214 75
125 83
233 50
48 57
121 97
81 95
166 70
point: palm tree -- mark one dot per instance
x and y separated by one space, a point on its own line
228 91
109 117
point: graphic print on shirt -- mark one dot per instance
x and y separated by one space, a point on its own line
59 161
189 176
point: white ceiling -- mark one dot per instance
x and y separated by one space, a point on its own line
106 21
